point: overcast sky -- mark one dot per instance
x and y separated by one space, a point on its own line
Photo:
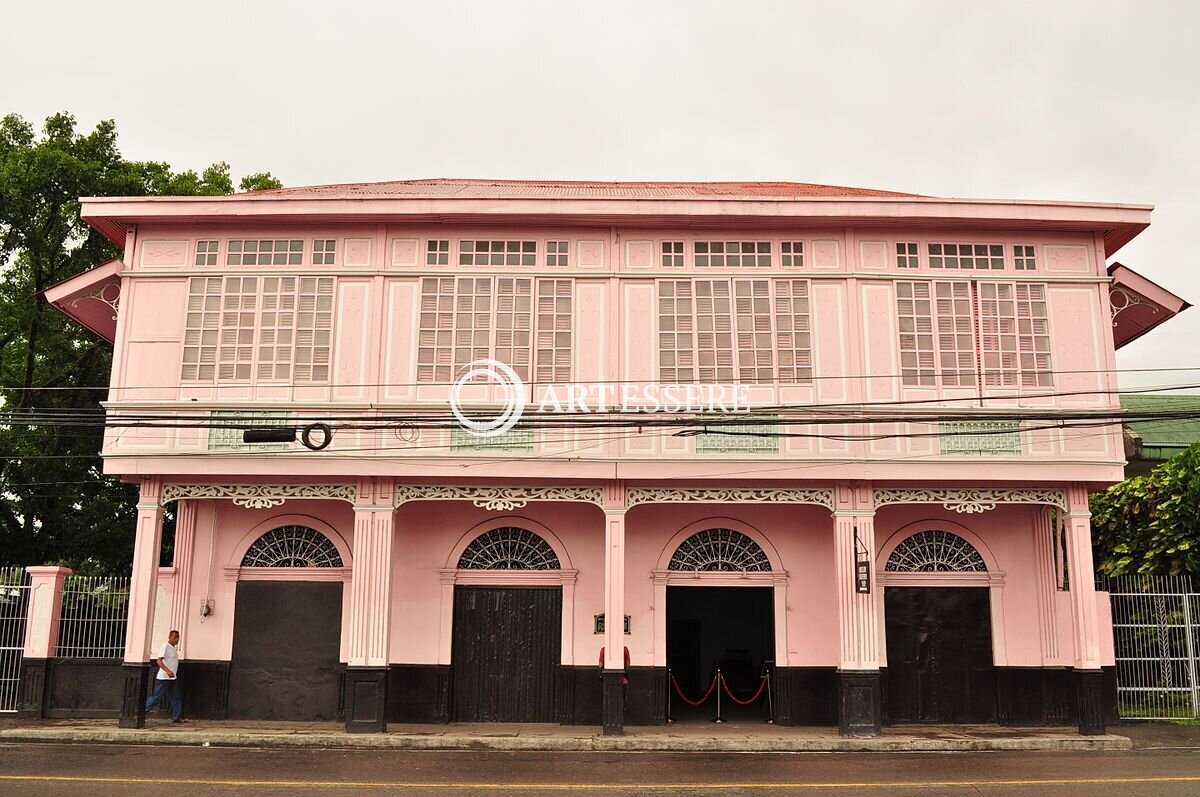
1068 100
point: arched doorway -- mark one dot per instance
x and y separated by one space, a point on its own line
507 634
720 595
286 659
938 617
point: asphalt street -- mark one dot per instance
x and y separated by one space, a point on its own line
100 771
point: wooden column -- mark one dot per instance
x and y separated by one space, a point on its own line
147 546
614 609
370 608
859 684
1089 679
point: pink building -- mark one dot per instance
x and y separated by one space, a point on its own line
893 530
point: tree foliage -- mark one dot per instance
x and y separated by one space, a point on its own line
1151 524
55 503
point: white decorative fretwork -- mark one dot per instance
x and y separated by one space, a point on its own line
972 501
292 546
1121 299
259 496
723 550
935 551
109 294
496 499
509 548
662 495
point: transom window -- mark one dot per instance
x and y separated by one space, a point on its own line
966 256
292 546
497 253
556 253
437 253
206 253
265 253
1024 257
726 330
323 252
723 550
509 548
672 254
935 551
906 255
718 254
793 254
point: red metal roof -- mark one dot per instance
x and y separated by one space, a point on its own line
483 189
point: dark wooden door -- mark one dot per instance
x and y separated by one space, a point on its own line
286 650
506 652
939 651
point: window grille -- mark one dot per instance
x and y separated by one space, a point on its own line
906 255
935 551
226 428
1025 258
672 254
516 440
206 253
718 254
265 253
751 435
497 253
437 253
723 550
556 253
292 546
966 256
793 254
509 548
323 252
980 437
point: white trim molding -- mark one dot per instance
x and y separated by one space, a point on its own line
496 499
821 496
972 501
259 496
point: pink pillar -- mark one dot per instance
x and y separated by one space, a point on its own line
614 609
143 584
181 597
370 608
859 684
1089 680
41 636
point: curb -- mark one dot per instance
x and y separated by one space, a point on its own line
598 743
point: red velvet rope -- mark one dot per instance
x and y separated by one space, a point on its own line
699 702
761 686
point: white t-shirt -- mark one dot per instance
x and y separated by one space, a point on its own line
170 657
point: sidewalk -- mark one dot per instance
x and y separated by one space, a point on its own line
681 737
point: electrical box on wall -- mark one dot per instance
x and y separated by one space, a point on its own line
206 607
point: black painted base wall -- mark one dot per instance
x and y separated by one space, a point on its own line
418 693
805 695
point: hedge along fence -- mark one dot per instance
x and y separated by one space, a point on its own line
95 612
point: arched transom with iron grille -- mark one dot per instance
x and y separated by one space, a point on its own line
292 546
935 551
509 548
719 549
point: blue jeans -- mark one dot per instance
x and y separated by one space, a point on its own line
170 690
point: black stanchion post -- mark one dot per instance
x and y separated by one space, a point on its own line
720 683
670 686
770 698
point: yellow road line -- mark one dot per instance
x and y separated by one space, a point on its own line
326 784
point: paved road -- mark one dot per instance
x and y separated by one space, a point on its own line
100 771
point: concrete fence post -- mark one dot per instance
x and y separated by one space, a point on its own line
41 637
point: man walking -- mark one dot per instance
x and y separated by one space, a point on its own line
166 683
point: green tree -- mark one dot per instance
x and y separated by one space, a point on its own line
1151 524
55 503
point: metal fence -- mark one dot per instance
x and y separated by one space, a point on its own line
95 611
1156 633
14 611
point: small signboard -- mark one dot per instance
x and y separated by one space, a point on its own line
862 567
599 621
